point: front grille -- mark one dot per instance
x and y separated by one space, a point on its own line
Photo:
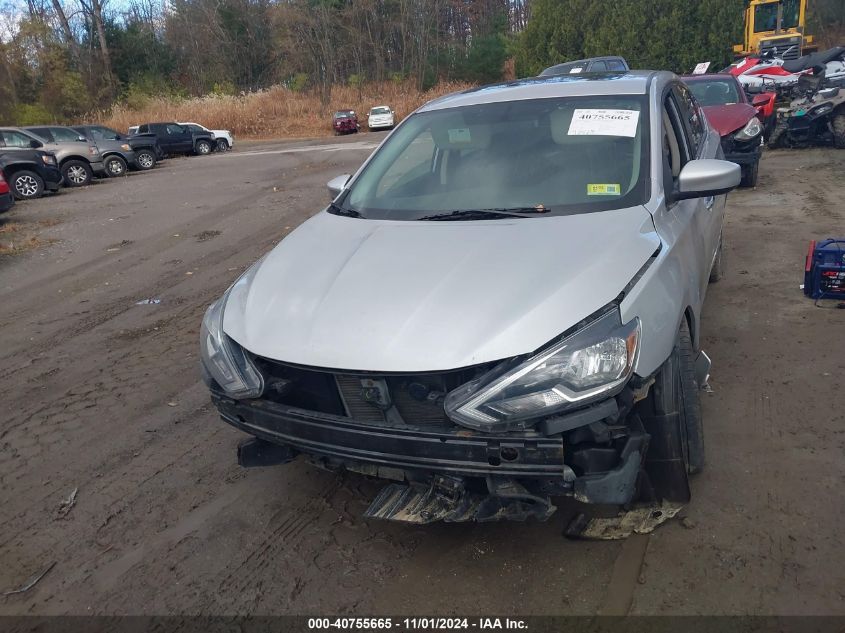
412 400
785 49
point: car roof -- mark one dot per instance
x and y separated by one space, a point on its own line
630 82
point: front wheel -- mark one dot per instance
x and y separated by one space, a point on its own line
750 174
672 417
838 125
145 159
222 145
26 185
77 173
203 148
115 166
778 135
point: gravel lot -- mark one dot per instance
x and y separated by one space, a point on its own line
102 395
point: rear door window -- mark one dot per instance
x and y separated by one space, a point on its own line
65 135
598 67
44 133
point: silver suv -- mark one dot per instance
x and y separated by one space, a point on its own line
502 306
78 158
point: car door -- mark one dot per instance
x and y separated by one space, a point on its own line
704 145
688 218
181 137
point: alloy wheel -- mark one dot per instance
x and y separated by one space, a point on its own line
145 160
77 175
115 167
26 186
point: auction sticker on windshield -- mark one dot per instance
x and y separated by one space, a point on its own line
601 122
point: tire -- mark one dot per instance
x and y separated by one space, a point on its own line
838 125
778 135
222 145
145 159
672 417
718 270
26 185
750 174
115 166
77 173
202 148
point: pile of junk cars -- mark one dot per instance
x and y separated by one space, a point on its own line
774 101
38 159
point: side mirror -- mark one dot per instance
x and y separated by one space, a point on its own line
81 138
760 100
706 177
336 185
35 144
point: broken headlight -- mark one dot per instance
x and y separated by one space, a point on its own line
226 361
751 129
593 363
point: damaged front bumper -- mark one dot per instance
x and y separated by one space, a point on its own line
455 474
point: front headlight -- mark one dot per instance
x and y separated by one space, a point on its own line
48 160
822 109
125 147
593 363
225 360
751 129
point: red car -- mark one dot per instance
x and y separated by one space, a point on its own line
345 122
6 197
737 120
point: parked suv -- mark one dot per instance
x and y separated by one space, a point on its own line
30 172
78 160
179 139
542 250
118 155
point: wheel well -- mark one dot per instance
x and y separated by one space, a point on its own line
16 167
69 158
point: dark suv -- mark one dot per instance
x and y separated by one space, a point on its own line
179 139
29 172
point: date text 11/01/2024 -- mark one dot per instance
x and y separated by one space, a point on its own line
416 624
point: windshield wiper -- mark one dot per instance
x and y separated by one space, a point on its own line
349 213
486 214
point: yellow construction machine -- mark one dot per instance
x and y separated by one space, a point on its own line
775 26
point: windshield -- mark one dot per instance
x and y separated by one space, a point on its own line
558 156
790 14
715 92
765 17
375 111
343 115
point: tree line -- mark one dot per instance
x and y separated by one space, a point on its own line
62 58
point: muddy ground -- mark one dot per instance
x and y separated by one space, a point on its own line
102 395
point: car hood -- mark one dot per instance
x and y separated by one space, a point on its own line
729 118
373 295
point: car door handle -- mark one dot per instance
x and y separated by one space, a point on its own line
708 202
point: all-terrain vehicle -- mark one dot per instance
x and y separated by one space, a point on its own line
817 116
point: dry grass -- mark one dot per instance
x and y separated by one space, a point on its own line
276 112
19 237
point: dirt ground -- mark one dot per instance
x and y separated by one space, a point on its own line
102 396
